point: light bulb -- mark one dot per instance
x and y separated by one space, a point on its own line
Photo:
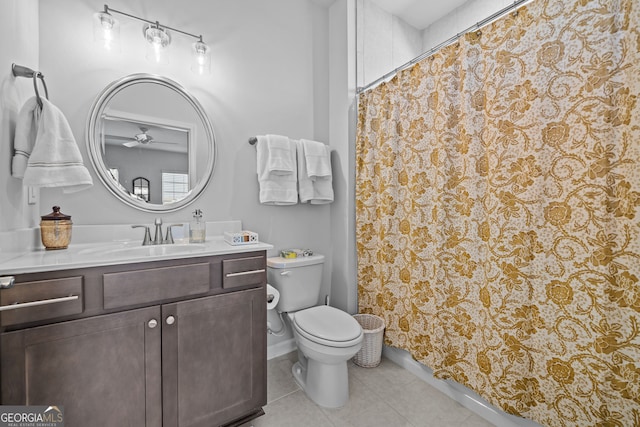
158 52
201 63
106 29
158 39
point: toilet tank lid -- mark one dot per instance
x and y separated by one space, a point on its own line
279 262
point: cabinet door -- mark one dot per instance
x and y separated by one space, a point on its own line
214 358
104 370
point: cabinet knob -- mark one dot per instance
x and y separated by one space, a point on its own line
153 323
171 320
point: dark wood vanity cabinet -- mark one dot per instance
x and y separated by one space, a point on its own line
182 361
210 366
103 370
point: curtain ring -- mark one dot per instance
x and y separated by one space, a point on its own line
38 75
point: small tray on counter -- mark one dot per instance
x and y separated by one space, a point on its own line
241 238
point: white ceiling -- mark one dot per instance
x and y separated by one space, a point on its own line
419 13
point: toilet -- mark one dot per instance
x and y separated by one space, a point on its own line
326 336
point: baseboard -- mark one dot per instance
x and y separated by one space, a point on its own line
281 348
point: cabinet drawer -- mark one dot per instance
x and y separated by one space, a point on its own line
144 286
42 299
243 271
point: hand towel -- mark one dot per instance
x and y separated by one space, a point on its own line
276 186
281 159
316 192
317 158
25 137
55 160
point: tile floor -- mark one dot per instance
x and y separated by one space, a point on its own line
385 396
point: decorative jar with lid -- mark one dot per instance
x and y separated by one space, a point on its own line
55 229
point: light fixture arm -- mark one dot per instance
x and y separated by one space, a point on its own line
108 9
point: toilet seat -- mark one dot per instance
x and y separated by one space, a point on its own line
328 326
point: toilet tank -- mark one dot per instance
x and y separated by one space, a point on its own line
297 279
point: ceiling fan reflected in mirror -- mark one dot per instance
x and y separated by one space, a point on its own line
142 138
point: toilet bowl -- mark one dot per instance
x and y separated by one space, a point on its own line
326 337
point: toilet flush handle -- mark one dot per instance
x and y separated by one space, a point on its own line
285 273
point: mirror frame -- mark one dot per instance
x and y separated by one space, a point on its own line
94 144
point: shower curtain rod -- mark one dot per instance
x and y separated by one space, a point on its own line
477 26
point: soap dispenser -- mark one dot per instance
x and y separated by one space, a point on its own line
197 228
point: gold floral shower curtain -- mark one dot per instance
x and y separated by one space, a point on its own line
498 231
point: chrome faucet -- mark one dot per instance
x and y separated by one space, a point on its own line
157 238
169 238
147 234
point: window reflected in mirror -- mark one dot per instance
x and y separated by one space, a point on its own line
141 188
175 186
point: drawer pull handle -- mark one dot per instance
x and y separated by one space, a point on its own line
7 282
152 323
244 273
171 320
36 303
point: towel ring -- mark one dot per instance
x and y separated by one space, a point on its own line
22 71
38 75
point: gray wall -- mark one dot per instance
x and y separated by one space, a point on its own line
18 44
384 42
271 68
460 19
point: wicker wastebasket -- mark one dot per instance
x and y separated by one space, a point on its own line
371 351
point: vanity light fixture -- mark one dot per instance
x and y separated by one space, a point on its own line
107 30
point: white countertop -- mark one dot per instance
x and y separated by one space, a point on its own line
93 252
94 255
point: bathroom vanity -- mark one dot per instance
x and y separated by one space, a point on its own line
171 339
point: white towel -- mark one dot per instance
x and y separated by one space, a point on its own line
26 131
277 187
281 159
317 158
55 160
316 192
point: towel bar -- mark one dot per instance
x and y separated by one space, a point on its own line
253 140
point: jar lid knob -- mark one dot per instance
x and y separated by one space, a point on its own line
56 215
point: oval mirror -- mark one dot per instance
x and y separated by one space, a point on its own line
149 126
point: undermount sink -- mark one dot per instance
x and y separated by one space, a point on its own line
130 249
